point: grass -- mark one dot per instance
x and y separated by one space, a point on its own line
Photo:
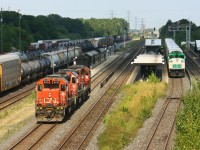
188 120
14 118
123 122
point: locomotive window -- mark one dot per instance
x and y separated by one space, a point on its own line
73 80
39 87
46 85
55 86
63 87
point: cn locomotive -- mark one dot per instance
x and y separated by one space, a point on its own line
58 94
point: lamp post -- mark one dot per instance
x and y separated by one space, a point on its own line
124 37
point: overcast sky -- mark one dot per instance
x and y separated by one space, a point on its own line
154 13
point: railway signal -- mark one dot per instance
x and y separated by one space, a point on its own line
183 27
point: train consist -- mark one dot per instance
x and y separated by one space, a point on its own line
58 94
175 59
85 44
17 68
46 55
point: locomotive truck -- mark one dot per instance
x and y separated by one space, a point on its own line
58 94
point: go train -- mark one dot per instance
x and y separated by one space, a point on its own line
58 94
175 59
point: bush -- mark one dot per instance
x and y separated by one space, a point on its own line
124 121
153 79
188 120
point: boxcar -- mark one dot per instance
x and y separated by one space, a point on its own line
10 71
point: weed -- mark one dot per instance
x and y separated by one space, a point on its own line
124 121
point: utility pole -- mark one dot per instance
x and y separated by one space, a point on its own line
128 17
124 37
135 23
19 30
112 14
1 32
142 25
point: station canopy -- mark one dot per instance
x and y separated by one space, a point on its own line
153 42
148 59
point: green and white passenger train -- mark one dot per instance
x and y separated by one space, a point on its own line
175 59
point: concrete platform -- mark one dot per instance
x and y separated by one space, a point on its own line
148 59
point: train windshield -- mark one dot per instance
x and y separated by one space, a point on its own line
177 56
51 86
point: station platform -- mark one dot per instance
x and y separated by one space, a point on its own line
149 59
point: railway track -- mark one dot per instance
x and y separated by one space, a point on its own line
81 134
159 136
16 97
47 132
105 74
192 67
96 79
33 137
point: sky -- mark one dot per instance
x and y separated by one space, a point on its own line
152 13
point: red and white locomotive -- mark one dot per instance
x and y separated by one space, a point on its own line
58 94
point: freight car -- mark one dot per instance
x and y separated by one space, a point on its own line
10 71
58 94
175 59
47 62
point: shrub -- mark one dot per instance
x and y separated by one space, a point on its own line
188 120
124 121
153 79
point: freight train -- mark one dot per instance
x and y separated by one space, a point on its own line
85 44
175 59
58 94
46 55
16 68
